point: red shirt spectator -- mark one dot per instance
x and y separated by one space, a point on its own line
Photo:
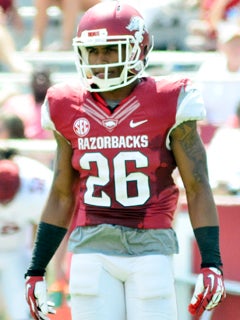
6 5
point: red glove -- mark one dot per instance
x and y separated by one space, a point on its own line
36 296
209 291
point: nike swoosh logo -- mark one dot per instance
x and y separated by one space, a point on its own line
211 276
136 124
28 286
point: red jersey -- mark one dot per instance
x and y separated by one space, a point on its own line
6 5
122 157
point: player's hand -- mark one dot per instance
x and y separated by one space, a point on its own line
36 295
209 291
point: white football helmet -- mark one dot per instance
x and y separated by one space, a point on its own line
112 23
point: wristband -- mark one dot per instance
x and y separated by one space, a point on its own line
208 243
48 239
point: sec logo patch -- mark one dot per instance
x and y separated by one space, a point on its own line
81 127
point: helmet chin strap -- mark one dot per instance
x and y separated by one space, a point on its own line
106 84
103 86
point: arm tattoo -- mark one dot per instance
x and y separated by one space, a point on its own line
193 148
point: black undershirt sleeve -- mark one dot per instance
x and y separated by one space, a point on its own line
48 239
208 243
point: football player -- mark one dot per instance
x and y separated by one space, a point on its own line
24 187
119 137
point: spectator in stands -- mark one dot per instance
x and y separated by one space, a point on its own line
11 126
203 30
9 57
219 76
21 180
70 11
166 21
28 106
9 8
8 89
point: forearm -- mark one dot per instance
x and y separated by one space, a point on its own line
59 209
47 241
201 207
208 242
204 219
51 231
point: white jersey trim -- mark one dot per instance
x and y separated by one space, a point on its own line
190 107
46 121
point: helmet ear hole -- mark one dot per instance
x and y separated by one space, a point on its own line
145 52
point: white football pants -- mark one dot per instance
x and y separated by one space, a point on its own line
122 288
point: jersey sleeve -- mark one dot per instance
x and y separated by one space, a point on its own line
190 107
60 100
46 121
